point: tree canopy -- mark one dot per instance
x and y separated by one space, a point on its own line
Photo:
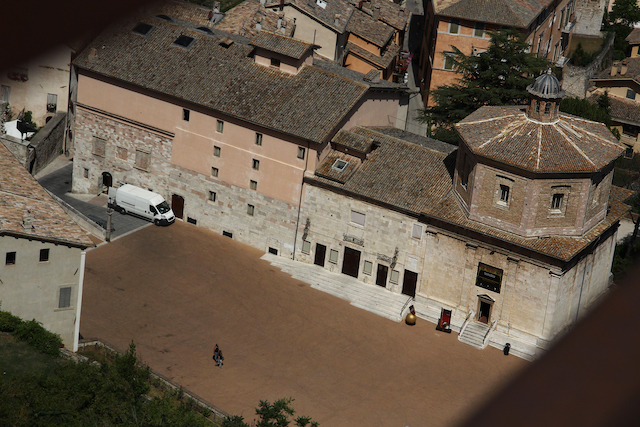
626 12
497 76
272 415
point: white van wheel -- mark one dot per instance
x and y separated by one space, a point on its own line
156 221
123 211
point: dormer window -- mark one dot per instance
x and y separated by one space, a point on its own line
504 194
559 200
183 41
275 62
340 165
142 28
556 202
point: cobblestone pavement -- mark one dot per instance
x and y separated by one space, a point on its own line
177 291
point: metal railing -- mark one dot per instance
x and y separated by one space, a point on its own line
493 325
466 322
405 305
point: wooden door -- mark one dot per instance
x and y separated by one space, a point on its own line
351 262
321 253
177 205
381 276
409 283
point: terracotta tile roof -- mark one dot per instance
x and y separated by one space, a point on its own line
308 105
352 141
369 29
620 194
622 109
392 14
21 196
334 15
182 10
431 143
634 36
372 79
327 170
514 13
633 71
381 61
417 180
243 18
280 44
571 144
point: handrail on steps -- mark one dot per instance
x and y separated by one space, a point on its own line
466 322
405 305
493 325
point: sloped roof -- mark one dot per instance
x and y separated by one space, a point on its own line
309 105
513 13
390 13
280 44
371 30
21 196
507 135
326 15
381 61
634 36
243 18
622 109
352 141
633 71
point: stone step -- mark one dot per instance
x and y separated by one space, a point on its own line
474 334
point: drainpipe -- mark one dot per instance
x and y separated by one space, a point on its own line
76 332
306 165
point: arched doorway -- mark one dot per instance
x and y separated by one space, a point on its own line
177 205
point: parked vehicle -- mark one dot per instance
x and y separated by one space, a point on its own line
138 201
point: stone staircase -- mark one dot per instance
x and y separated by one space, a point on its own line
372 298
474 334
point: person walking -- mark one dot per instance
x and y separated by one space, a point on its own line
217 356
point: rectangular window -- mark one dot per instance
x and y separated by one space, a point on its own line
44 255
185 114
306 247
556 202
52 103
11 258
258 138
357 218
454 26
143 159
253 185
216 151
395 276
86 173
561 20
273 251
630 130
368 267
65 297
121 153
449 63
480 29
504 194
250 209
220 126
333 256
214 172
631 94
5 93
301 152
256 164
628 153
275 62
489 277
416 231
212 196
99 146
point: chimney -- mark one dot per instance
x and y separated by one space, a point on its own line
279 22
259 24
216 7
376 12
614 69
93 53
623 68
336 21
27 223
283 29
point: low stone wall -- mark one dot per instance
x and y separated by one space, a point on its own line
576 79
80 219
47 143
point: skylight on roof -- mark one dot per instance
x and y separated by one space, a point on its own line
340 165
165 18
183 41
142 28
205 30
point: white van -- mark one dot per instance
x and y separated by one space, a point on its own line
129 198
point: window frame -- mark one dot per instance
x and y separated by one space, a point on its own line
251 209
212 197
301 152
97 143
255 165
186 114
52 102
10 258
141 154
367 268
451 57
44 254
454 23
259 137
215 172
479 26
220 126
394 276
356 216
419 228
629 92
68 305
216 151
333 256
306 247
253 185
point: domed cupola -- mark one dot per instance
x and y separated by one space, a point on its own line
546 93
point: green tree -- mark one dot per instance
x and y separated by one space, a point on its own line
598 111
626 12
277 414
497 76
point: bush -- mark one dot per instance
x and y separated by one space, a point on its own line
8 322
35 335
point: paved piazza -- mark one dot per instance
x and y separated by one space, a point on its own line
177 291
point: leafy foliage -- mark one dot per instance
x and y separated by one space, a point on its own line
626 12
580 57
277 414
498 76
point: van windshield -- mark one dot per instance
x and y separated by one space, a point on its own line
163 207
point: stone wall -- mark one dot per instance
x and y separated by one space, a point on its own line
575 80
48 142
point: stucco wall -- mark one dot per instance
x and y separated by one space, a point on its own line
311 31
30 289
377 110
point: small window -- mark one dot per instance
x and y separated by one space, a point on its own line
339 165
227 234
479 29
143 160
52 103
64 300
185 114
5 93
253 185
212 196
537 107
306 247
44 255
631 94
449 60
357 218
547 109
121 153
273 251
86 173
416 231
301 152
630 130
216 151
395 275
220 126
256 164
99 146
275 62
142 28
250 209
258 138
11 258
183 41
333 256
454 26
556 201
504 194
192 220
628 153
214 172
368 267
